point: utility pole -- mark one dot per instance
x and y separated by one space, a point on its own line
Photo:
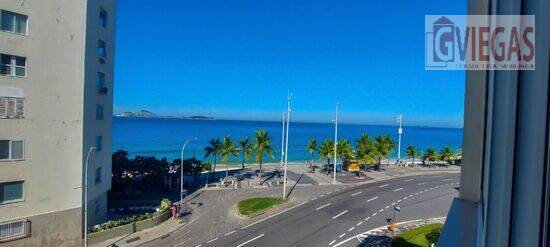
399 132
335 142
286 141
86 196
181 172
283 141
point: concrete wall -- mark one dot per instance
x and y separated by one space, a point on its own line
61 228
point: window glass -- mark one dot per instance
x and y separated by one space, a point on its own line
101 50
99 112
5 70
7 20
100 79
11 191
17 150
5 59
98 175
20 61
20 71
4 149
103 18
21 24
98 143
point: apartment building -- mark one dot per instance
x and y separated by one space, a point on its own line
56 90
504 197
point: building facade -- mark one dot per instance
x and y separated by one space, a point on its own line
504 195
56 97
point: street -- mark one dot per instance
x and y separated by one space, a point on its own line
335 215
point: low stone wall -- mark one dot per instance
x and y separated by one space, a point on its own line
120 231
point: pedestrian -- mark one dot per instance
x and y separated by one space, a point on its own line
173 210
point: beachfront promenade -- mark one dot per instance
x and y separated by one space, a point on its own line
213 220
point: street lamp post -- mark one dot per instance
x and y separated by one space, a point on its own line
283 141
85 191
181 172
335 142
288 110
399 132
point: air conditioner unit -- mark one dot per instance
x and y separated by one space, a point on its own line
103 90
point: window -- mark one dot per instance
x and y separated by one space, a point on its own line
100 80
11 150
99 112
103 18
11 192
13 22
13 65
98 175
11 107
98 143
101 51
97 206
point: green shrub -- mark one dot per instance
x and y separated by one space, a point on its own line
165 204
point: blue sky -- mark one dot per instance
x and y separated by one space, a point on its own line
237 59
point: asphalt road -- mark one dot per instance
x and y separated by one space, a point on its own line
339 214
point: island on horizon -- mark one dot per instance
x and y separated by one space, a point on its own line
149 114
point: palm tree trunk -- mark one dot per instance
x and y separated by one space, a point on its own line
328 166
227 169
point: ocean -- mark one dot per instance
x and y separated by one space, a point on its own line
163 137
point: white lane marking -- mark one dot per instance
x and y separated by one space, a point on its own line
321 196
332 242
314 198
408 180
229 233
398 201
447 179
436 176
361 222
351 229
212 240
381 210
354 194
251 224
367 218
340 214
416 193
250 240
382 186
398 189
393 204
421 183
374 198
374 214
326 205
387 207
343 234
198 245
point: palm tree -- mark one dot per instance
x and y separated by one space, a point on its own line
384 145
227 149
345 150
213 150
366 150
312 148
326 150
412 152
446 154
262 146
430 155
245 149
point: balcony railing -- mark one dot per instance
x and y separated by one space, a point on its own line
13 230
